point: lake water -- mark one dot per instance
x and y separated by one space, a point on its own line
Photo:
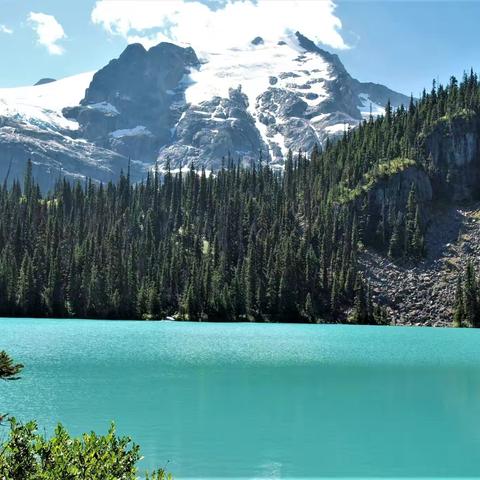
252 400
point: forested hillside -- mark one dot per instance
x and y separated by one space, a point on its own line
246 243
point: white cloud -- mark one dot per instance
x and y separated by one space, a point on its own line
5 29
232 23
49 31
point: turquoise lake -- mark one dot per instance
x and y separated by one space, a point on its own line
255 400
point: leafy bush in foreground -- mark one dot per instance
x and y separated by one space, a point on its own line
27 455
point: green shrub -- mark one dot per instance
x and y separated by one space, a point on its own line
379 172
8 369
27 455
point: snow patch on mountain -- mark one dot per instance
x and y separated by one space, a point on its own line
253 68
283 65
131 132
42 105
368 107
104 107
336 128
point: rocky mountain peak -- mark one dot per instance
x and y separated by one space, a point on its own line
164 104
140 72
132 52
257 41
129 106
331 58
44 81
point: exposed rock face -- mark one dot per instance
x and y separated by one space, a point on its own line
423 293
44 81
258 41
282 112
131 104
396 188
215 129
454 150
378 94
390 193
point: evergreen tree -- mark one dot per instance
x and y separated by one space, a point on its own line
309 310
459 311
8 369
395 247
360 313
470 300
26 289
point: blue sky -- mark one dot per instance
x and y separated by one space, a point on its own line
403 44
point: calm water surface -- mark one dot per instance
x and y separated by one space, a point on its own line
252 401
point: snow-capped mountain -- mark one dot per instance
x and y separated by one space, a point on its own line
170 104
32 126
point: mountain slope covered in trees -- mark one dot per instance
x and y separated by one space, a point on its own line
247 243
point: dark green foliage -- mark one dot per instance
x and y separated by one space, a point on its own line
459 312
364 311
395 247
360 312
27 455
413 232
467 299
240 244
8 369
381 148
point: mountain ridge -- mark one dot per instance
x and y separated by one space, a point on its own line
166 104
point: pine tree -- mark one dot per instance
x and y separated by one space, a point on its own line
96 297
8 369
395 247
53 293
417 243
470 297
410 221
251 282
359 313
26 289
309 310
459 311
